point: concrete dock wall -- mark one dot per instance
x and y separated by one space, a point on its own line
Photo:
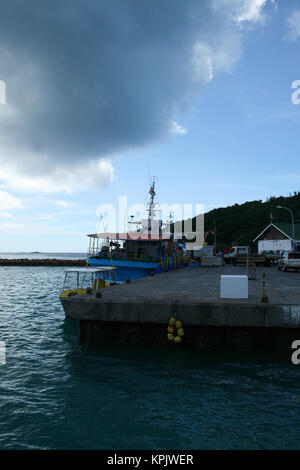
204 314
205 325
140 311
204 337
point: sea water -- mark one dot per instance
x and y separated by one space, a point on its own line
57 393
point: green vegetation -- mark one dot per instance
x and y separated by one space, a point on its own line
241 223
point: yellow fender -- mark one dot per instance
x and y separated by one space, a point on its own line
173 335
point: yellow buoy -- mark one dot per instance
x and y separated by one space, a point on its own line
172 321
177 339
170 329
180 332
170 337
178 324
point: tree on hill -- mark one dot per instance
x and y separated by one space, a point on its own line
241 223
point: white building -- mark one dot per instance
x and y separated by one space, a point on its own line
278 237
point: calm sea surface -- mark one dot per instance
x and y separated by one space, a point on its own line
56 393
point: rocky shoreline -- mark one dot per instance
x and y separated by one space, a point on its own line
42 262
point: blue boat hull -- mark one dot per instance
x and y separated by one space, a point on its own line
130 269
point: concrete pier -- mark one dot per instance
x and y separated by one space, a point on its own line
140 311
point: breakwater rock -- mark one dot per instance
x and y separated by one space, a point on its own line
42 262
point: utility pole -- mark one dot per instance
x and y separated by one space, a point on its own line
293 224
215 234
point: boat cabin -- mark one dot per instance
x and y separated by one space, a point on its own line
134 246
81 280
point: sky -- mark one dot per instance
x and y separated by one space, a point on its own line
96 97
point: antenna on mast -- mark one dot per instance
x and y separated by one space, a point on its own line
151 209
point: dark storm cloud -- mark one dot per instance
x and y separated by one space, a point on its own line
88 78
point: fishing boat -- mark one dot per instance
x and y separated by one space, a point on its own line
149 250
81 281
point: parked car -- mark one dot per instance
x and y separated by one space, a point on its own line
242 254
271 255
236 251
289 260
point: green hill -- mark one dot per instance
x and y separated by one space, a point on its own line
241 223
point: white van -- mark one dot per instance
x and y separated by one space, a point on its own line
235 252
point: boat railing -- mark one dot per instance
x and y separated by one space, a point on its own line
176 259
83 278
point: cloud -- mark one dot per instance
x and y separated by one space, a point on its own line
176 128
10 228
251 11
9 202
64 178
91 79
293 23
6 215
65 204
244 13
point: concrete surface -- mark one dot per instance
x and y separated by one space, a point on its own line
197 284
193 293
140 311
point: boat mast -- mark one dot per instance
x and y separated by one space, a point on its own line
151 209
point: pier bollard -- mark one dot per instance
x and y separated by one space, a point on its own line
251 268
264 297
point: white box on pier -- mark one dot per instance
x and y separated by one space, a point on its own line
234 287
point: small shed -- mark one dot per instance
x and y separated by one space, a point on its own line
278 237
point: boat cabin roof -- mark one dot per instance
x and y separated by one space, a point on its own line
90 270
134 236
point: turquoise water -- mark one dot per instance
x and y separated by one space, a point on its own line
56 393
